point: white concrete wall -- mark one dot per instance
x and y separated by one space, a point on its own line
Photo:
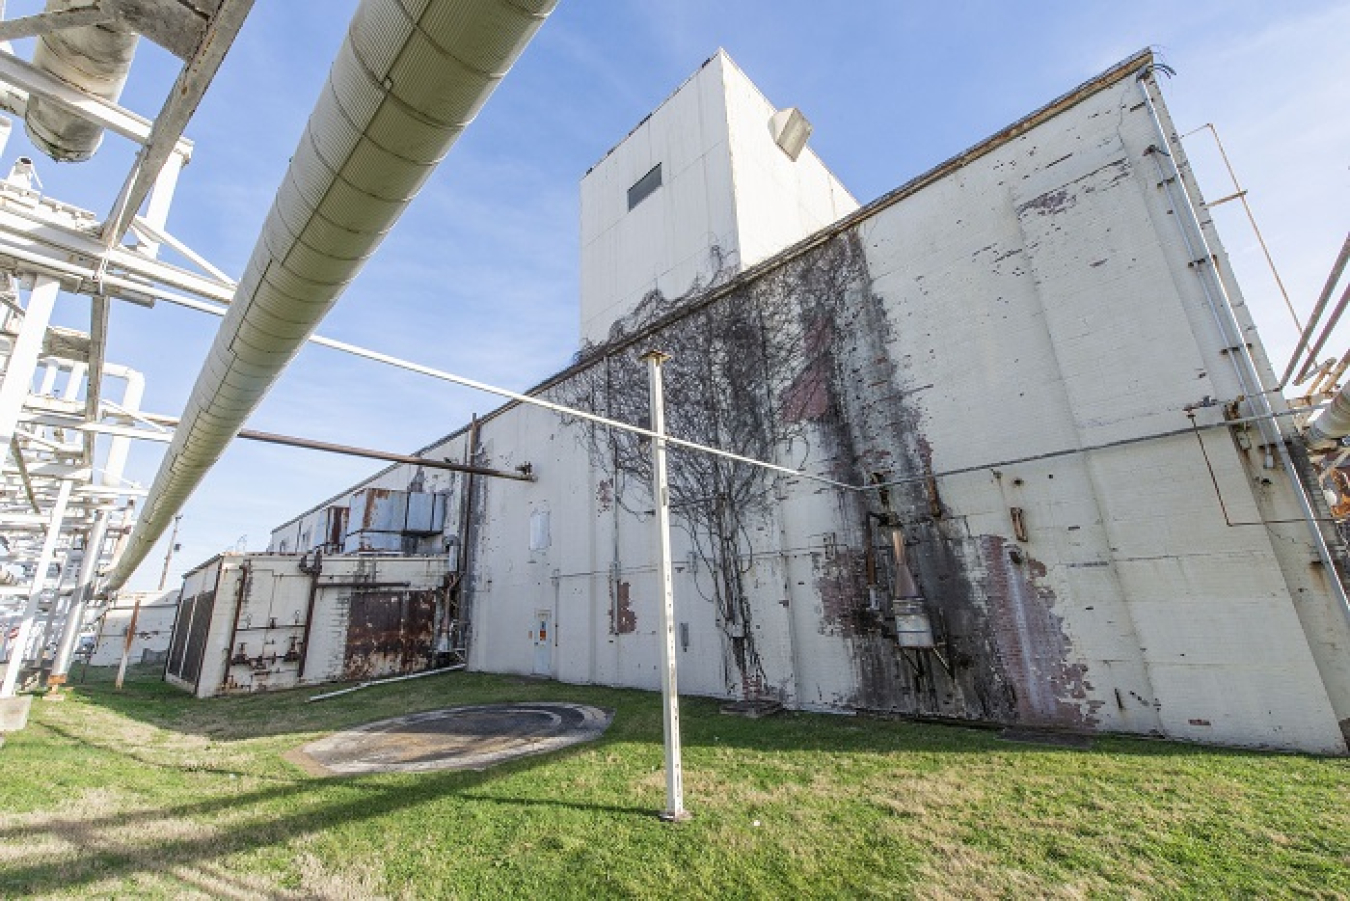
726 185
1022 330
662 244
778 200
154 624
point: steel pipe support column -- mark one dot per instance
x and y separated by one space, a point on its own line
670 692
20 645
84 588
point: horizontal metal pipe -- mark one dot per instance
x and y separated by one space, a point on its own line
348 450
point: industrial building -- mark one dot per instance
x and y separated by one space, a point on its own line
1033 468
1001 445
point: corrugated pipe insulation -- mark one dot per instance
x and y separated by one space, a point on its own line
410 76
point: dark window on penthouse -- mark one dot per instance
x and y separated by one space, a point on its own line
644 186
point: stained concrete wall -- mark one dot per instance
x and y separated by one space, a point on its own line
1010 341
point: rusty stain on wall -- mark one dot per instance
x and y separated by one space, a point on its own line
389 633
622 617
1031 640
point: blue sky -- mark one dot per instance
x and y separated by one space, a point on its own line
481 275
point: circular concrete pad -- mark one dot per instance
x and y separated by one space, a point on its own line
458 738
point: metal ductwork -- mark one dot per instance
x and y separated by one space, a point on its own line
94 58
410 76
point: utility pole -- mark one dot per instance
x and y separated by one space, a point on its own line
168 555
670 696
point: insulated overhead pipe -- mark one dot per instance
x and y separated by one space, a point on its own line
1332 423
95 58
410 76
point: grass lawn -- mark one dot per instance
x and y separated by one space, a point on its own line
146 793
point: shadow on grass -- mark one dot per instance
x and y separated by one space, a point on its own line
637 718
200 833
258 829
247 821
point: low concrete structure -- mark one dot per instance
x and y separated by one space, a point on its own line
14 714
256 622
457 738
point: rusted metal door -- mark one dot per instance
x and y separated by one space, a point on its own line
543 643
389 633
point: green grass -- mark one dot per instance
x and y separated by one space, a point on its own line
146 793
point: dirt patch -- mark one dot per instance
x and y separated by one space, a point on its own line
462 738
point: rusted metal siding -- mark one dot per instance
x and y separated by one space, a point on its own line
248 631
389 633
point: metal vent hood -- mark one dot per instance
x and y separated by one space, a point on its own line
410 76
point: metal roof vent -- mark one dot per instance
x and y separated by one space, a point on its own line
790 130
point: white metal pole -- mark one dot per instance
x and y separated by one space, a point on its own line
18 378
157 210
670 695
20 645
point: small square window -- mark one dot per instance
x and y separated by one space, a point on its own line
644 186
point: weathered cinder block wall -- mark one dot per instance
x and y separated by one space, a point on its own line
1020 329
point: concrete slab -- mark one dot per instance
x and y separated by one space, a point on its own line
461 738
14 712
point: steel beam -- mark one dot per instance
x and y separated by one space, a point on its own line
18 378
31 80
84 589
31 238
167 131
42 23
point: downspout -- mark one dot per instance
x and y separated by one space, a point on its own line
313 571
409 78
463 554
1221 306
